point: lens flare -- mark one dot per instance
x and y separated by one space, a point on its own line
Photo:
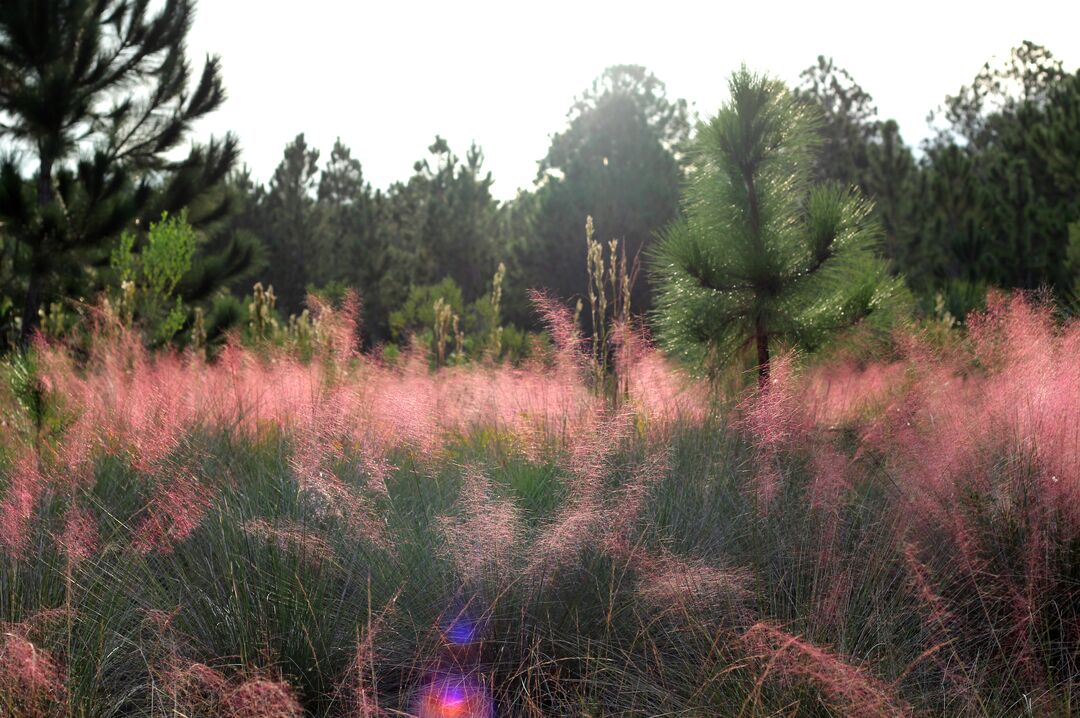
462 630
454 696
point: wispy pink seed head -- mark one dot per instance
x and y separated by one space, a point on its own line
79 539
30 679
262 698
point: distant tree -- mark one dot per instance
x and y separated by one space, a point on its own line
348 213
349 250
617 161
952 219
1056 138
891 179
1056 145
999 93
859 150
288 227
459 226
94 97
515 231
849 122
761 256
1007 139
442 222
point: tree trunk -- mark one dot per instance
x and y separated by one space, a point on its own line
32 303
761 338
37 257
761 335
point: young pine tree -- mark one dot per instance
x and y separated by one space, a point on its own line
760 256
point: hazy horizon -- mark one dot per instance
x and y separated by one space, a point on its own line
387 79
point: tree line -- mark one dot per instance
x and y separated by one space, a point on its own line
95 98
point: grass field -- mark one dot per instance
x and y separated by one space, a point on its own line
262 537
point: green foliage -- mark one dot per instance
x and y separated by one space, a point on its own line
169 250
987 203
1073 256
762 256
27 388
333 292
9 333
146 294
610 281
417 315
859 150
438 317
990 200
265 328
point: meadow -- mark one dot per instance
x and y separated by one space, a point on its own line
269 536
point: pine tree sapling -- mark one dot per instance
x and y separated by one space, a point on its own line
761 256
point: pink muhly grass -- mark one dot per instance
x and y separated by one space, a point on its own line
1010 430
378 469
666 580
482 539
577 525
832 585
564 332
847 688
172 515
130 402
79 538
125 401
935 609
262 698
832 597
590 451
659 391
327 495
773 420
841 393
194 686
627 503
765 483
582 520
772 417
156 412
1024 620
44 620
558 319
74 466
339 328
161 620
829 481
289 536
357 691
323 437
25 486
30 680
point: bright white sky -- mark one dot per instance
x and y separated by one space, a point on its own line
387 76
